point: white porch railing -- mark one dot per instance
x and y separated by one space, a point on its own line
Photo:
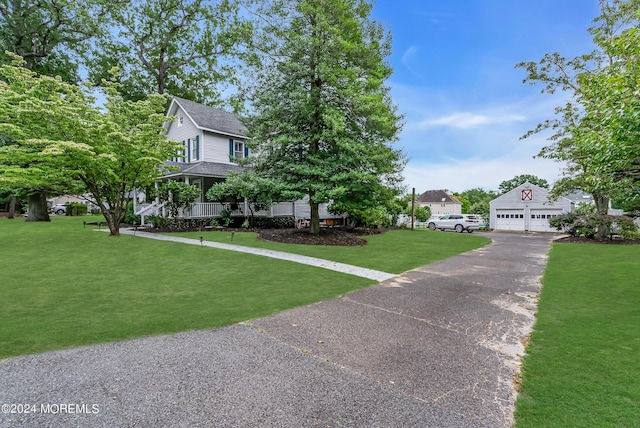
214 209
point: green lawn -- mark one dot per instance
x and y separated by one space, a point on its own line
583 364
395 251
63 285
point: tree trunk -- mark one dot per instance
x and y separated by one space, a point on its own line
315 218
602 204
38 207
114 217
12 206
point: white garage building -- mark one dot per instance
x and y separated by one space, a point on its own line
527 208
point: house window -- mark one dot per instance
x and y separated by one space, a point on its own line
180 121
195 148
238 149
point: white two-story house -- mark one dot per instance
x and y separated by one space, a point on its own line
212 140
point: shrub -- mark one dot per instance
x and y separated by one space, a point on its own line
274 222
157 221
371 217
596 225
76 208
130 217
225 218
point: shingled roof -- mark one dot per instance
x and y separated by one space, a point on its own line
211 119
439 196
206 169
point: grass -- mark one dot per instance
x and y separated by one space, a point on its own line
395 251
63 285
583 361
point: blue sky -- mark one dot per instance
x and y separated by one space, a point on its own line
464 102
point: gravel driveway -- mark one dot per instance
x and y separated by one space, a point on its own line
436 346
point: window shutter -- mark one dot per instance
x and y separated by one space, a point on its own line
246 150
188 149
231 149
184 155
197 148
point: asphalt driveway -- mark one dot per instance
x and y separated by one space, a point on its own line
437 346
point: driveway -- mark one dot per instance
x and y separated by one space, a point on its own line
436 346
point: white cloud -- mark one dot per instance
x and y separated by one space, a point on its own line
470 120
461 175
408 56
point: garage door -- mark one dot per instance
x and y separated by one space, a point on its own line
540 220
509 220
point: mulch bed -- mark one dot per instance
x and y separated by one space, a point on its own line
334 236
346 237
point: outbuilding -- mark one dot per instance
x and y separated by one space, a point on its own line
527 208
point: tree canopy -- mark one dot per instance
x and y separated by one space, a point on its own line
516 181
180 47
50 35
596 133
321 116
36 111
62 139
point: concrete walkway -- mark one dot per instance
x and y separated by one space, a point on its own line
312 261
437 346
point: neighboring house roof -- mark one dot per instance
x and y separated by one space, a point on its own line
204 169
579 197
439 196
209 118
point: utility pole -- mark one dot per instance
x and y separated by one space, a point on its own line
413 207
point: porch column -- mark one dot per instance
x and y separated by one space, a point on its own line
135 200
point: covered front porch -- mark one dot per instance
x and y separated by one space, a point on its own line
203 175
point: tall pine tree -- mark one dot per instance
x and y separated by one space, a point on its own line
322 119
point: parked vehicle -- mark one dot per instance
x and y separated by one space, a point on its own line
59 209
457 222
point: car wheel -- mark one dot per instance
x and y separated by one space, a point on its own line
469 230
459 228
432 226
60 212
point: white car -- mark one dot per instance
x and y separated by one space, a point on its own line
59 209
457 222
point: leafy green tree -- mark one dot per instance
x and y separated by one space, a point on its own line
478 194
464 201
236 187
124 149
184 48
177 195
51 35
322 116
34 113
595 132
105 154
516 181
479 200
423 213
